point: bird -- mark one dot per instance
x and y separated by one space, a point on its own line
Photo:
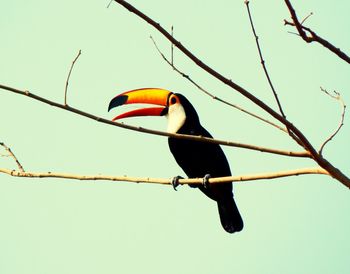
197 159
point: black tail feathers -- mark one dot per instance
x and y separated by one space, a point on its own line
230 217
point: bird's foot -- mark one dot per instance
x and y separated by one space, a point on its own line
205 181
175 182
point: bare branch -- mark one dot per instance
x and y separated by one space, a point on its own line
67 81
200 63
156 132
11 154
172 46
110 2
241 178
267 73
307 17
313 37
336 173
341 123
186 76
310 150
263 61
306 144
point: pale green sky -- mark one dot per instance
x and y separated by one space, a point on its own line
292 225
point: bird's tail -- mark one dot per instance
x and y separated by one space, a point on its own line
230 217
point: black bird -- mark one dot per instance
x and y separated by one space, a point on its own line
197 159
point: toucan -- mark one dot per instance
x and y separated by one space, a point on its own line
197 159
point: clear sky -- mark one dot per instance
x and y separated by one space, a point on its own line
292 225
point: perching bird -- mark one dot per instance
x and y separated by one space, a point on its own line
197 159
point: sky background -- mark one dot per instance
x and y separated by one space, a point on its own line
292 225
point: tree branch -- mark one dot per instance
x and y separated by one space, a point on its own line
198 181
156 132
313 37
67 81
306 144
336 173
200 63
186 76
11 154
310 150
341 123
262 61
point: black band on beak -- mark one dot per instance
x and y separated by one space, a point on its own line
118 101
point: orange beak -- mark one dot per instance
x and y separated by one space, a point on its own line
155 96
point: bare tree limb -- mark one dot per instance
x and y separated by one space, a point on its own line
186 76
11 154
200 63
341 123
306 144
156 132
313 37
335 172
67 81
241 178
262 60
310 150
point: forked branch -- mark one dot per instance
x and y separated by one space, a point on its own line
324 166
322 162
262 60
186 76
306 144
337 97
312 37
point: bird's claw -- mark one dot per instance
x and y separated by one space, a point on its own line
175 182
205 181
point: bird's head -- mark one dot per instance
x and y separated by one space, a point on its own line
174 106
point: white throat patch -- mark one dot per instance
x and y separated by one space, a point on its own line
176 118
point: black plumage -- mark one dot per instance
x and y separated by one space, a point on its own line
198 159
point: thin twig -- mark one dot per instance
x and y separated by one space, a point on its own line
294 33
341 123
313 37
110 2
263 63
67 81
172 47
240 178
186 76
307 17
156 132
11 154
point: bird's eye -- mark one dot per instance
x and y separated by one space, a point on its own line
173 100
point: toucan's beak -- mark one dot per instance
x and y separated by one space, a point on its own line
154 96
